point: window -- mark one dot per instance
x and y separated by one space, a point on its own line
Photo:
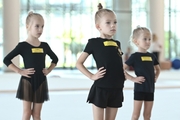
172 36
68 26
1 34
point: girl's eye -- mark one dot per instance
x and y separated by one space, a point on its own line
37 26
115 22
107 22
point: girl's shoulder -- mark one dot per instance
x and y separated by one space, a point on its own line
150 54
23 43
142 54
26 43
44 43
102 39
94 39
136 55
116 40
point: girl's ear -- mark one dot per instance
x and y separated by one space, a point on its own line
27 26
98 27
135 41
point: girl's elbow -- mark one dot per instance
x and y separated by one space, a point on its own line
77 65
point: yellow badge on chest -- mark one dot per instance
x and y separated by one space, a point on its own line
37 50
146 58
110 43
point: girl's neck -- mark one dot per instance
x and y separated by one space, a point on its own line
142 51
33 41
106 36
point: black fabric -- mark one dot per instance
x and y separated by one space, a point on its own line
156 54
33 57
31 60
107 54
25 92
106 97
143 96
143 64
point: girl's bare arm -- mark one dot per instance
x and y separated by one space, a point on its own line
138 79
157 71
85 71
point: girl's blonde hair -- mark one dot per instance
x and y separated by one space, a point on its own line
137 32
101 11
30 15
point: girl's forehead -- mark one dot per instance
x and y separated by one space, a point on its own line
108 15
147 33
37 19
144 32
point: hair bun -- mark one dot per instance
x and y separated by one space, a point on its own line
138 26
100 6
30 12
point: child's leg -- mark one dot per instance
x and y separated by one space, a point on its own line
36 111
26 110
110 113
137 109
147 109
98 113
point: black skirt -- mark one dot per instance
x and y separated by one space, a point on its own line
106 97
34 89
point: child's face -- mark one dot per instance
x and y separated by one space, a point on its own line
107 25
36 26
144 41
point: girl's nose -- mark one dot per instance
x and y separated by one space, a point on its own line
113 25
40 29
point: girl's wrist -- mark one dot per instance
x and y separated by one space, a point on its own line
19 71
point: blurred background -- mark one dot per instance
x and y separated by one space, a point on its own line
68 26
70 23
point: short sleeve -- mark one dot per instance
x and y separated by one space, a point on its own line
89 47
119 45
130 61
155 60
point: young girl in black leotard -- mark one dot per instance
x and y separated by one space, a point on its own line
106 94
33 87
147 70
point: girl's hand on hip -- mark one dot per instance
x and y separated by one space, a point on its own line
139 79
27 72
99 74
46 71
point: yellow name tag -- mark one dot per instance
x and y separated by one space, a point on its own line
145 58
37 50
110 43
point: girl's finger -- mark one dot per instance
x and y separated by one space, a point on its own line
101 68
27 76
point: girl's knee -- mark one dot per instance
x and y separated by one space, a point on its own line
146 116
135 117
26 115
36 116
